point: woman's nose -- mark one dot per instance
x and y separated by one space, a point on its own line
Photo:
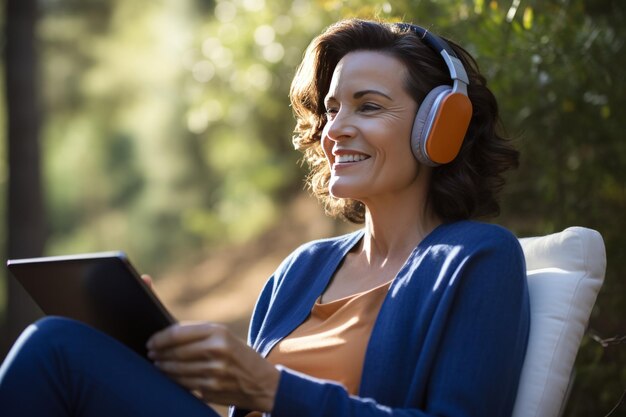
341 126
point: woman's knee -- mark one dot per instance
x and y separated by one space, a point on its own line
40 340
52 332
54 327
68 337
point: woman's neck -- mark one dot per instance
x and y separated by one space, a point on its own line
394 228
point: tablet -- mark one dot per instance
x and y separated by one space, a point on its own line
100 289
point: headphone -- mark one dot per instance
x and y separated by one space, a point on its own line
444 115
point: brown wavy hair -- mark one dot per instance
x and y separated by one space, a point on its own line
465 188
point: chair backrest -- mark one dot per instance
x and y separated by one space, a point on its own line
565 272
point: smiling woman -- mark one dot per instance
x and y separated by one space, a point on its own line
431 307
422 312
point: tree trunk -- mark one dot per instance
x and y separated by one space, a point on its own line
25 209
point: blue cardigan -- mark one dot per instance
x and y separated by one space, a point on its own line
449 339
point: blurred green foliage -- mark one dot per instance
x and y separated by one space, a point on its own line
167 127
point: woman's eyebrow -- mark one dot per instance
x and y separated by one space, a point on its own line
359 94
362 93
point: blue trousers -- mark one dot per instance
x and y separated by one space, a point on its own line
60 367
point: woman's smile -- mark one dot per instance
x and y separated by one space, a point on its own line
346 158
343 159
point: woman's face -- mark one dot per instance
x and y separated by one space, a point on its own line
366 139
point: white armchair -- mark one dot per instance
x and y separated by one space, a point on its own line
565 272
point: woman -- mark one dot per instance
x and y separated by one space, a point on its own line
422 312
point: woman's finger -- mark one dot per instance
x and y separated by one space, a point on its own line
147 279
190 342
202 385
199 350
209 368
181 333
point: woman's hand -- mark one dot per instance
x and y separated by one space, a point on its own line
147 279
208 359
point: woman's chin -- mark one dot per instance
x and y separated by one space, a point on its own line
343 190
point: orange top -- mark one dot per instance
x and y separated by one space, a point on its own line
331 342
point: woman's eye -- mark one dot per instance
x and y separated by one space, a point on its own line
370 107
330 112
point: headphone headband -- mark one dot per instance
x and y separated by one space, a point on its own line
455 67
432 40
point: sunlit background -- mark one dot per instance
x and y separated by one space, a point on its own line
166 133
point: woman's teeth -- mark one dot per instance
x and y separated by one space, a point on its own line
350 158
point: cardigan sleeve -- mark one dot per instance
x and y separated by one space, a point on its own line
477 360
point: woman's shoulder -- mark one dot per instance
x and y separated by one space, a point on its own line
473 238
487 252
478 234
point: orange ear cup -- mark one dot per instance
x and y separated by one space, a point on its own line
448 128
445 112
